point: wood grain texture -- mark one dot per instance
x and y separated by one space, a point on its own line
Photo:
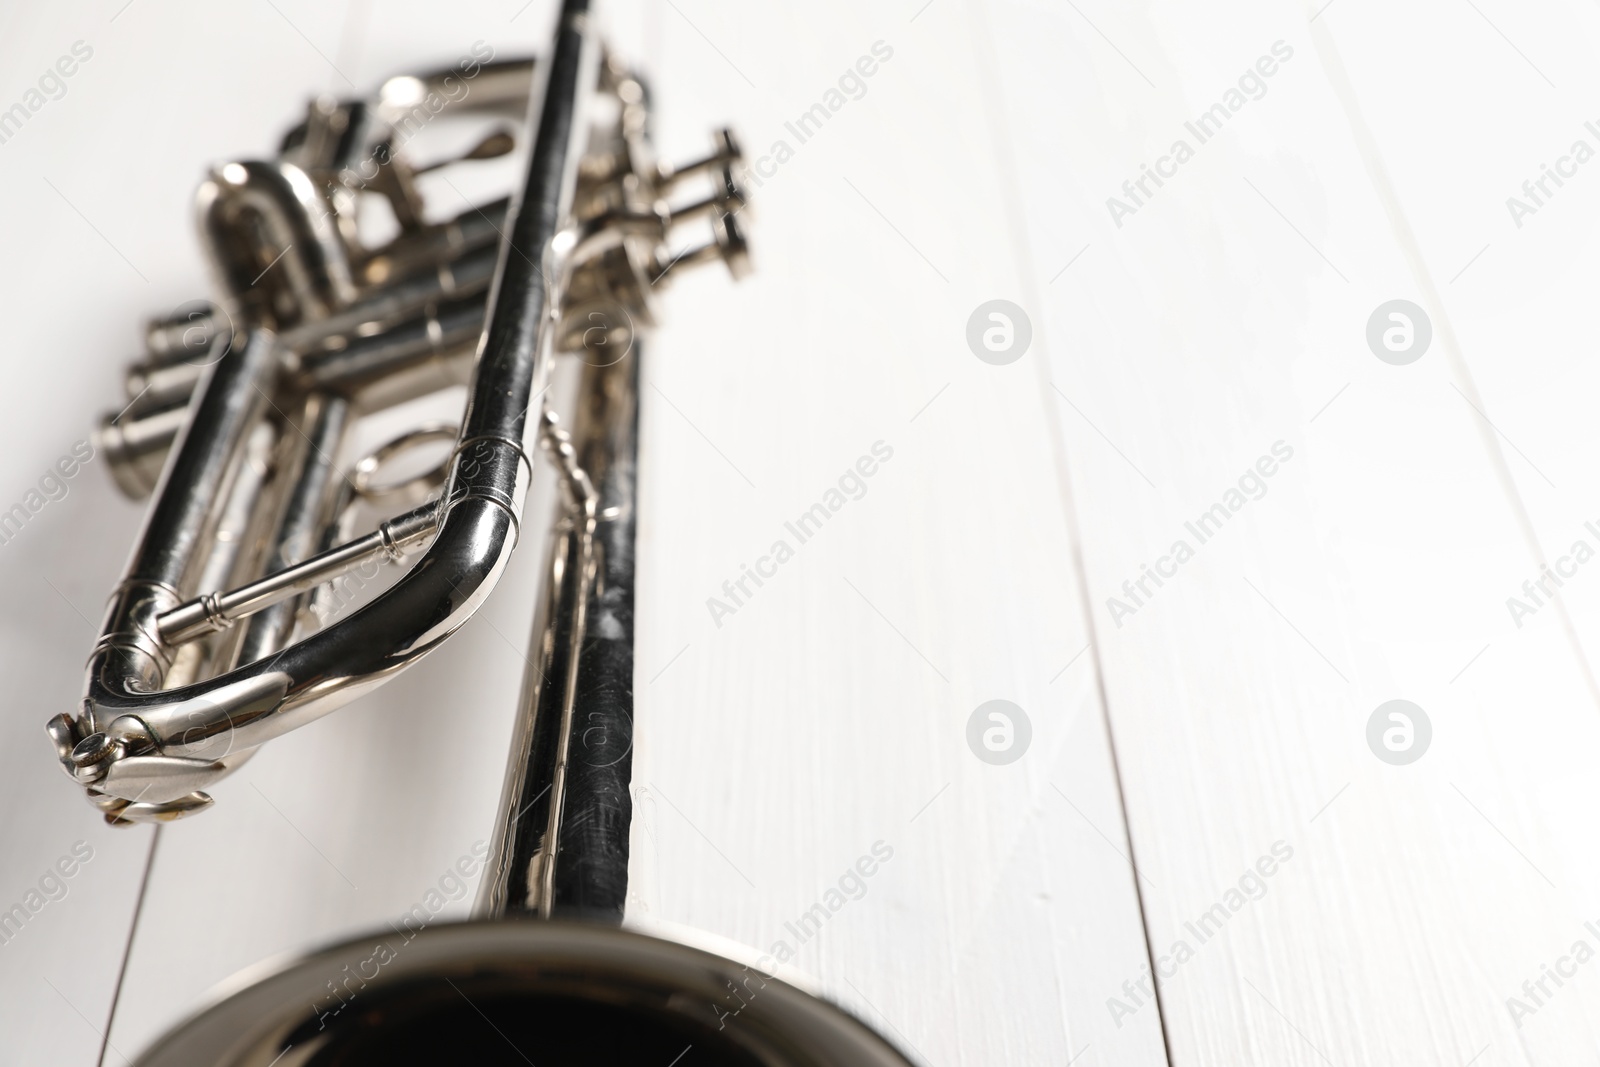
778 743
1229 313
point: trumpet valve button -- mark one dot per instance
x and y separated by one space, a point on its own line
90 757
725 152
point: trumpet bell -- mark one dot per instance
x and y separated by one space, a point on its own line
513 992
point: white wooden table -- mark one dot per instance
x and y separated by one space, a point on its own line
1303 901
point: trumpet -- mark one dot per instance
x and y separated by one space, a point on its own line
213 643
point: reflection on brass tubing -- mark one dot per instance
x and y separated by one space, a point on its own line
395 303
501 85
373 373
310 476
460 261
421 252
367 359
135 449
183 335
451 259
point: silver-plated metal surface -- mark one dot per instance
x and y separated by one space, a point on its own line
587 244
126 697
312 480
213 612
294 219
561 838
364 475
556 993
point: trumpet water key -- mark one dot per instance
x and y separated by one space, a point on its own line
213 644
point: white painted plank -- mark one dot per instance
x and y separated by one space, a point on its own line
1222 317
829 711
1509 319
